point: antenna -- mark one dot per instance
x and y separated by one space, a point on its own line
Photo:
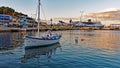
81 14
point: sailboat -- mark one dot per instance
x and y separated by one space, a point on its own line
49 37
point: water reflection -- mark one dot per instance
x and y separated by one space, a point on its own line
108 41
83 49
37 52
5 40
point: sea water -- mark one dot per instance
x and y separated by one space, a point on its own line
77 49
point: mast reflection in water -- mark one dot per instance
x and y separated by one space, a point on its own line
37 52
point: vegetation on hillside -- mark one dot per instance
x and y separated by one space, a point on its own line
10 11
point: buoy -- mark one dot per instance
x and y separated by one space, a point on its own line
23 33
76 40
82 39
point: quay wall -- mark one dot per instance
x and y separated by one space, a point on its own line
55 28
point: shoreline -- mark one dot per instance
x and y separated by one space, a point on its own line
35 29
16 43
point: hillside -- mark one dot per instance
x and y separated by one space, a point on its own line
10 11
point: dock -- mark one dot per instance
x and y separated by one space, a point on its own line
54 29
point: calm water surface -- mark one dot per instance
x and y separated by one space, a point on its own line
77 49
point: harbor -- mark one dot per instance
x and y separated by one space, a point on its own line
59 34
76 49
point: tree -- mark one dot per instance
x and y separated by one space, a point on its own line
6 10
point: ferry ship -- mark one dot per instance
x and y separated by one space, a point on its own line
89 24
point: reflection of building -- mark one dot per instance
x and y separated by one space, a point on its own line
102 40
5 40
107 41
0 25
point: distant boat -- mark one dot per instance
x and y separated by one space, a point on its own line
48 38
89 24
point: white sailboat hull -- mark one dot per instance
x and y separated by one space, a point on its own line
31 41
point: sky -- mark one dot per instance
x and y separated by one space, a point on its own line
60 8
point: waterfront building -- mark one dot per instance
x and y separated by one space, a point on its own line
5 18
114 26
23 21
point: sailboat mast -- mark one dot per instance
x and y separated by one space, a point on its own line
38 17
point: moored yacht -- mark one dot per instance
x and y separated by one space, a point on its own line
89 24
